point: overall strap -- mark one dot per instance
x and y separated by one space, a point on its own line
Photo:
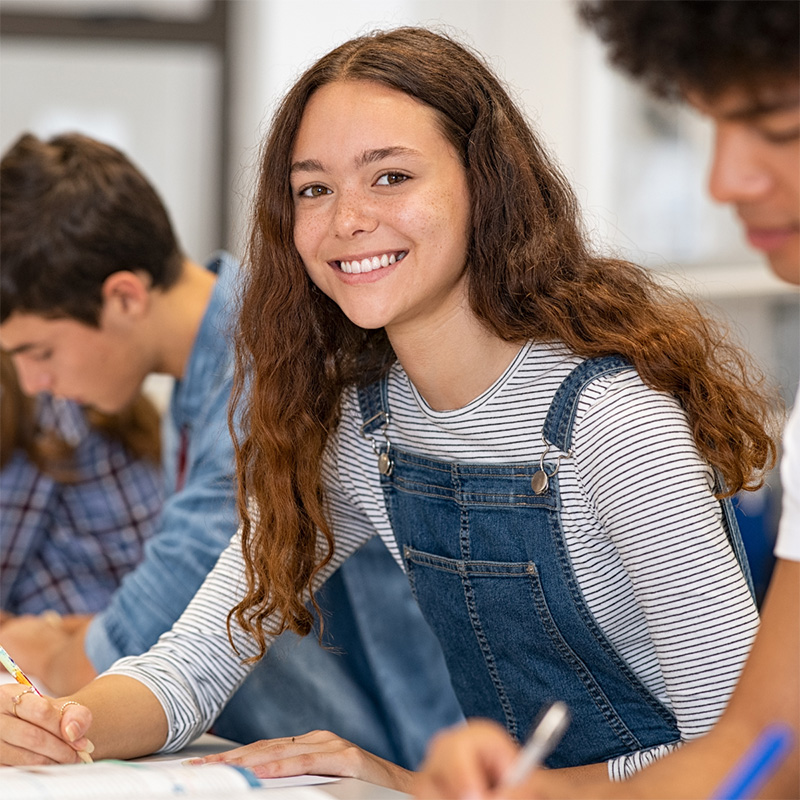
373 401
557 430
560 418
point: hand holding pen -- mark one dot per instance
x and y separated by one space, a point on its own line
545 736
51 743
479 759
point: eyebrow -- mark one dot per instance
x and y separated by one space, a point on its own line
15 351
366 158
371 156
762 107
23 348
309 165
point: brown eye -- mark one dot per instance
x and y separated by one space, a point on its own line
391 178
315 190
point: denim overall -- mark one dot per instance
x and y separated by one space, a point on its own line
487 562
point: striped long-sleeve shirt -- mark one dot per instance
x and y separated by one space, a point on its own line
641 525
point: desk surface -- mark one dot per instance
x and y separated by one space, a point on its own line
344 789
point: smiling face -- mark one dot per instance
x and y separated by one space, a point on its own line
382 209
756 168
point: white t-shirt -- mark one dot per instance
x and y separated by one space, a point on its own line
788 544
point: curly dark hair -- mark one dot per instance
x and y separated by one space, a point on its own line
704 45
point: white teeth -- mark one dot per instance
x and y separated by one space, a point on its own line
369 264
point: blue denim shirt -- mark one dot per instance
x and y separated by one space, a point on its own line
198 519
380 681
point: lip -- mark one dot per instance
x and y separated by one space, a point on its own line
769 239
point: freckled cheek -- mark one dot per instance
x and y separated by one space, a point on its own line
307 237
310 228
449 223
437 214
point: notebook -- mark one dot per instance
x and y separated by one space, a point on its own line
128 780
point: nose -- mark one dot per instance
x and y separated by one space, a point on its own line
738 172
352 214
32 377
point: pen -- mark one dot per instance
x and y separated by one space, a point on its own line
16 673
540 744
756 766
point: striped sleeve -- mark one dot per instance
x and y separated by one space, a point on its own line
641 473
192 669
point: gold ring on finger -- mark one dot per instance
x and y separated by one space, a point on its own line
17 699
68 703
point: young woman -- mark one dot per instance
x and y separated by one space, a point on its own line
429 352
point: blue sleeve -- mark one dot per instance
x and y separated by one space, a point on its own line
197 523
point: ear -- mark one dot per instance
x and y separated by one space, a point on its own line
126 296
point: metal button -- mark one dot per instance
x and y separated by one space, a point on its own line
540 482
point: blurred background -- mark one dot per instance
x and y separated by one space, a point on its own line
186 88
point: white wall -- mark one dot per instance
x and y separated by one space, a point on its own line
155 104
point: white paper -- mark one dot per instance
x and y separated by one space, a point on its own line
124 780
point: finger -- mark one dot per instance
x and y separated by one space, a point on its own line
24 743
69 720
32 729
467 761
270 749
342 759
244 756
23 703
295 755
341 763
13 756
74 722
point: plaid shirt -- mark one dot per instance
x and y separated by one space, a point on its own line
67 546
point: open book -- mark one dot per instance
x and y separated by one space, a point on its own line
129 780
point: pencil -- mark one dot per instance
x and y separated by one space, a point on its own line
16 673
20 677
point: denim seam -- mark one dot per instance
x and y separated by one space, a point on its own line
589 620
593 689
488 656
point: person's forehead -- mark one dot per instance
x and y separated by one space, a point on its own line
24 331
748 102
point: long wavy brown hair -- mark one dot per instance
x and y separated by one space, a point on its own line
531 276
